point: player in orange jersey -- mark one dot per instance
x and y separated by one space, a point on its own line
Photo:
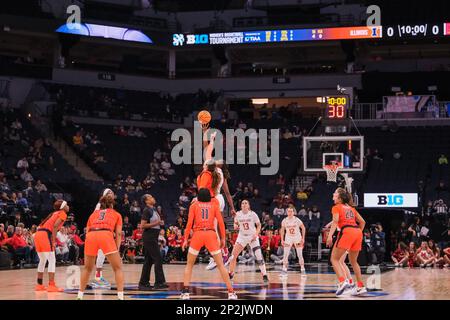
351 224
45 240
202 214
101 226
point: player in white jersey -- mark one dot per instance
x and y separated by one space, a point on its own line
249 226
100 282
291 236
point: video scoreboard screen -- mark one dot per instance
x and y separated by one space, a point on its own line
314 34
274 36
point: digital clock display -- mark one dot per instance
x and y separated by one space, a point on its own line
336 107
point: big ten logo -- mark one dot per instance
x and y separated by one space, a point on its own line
74 19
73 277
374 18
374 280
197 39
390 200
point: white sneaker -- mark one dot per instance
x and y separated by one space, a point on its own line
211 265
232 296
302 270
185 296
342 287
359 291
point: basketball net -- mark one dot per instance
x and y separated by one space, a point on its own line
331 170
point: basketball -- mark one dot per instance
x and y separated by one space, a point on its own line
204 117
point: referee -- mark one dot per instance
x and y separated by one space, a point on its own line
151 224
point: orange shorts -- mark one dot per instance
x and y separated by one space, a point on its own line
96 240
350 239
206 239
42 240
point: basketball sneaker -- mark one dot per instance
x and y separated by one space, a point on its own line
342 287
232 296
302 270
359 291
53 288
283 274
100 283
40 287
211 265
266 279
227 261
185 295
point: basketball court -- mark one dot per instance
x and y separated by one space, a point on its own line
318 284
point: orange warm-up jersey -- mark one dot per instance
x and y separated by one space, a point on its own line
205 180
105 219
347 215
202 216
50 223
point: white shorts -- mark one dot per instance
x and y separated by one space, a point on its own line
221 202
292 240
244 240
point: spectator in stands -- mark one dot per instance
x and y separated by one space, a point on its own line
40 187
78 140
3 234
166 167
440 207
314 213
62 246
135 211
10 231
139 133
280 180
443 160
402 234
270 226
137 233
378 249
161 175
400 255
127 228
98 158
23 164
302 195
26 176
414 229
19 247
162 241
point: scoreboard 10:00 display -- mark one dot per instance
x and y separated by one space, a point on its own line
336 107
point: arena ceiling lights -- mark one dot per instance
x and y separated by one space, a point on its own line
102 31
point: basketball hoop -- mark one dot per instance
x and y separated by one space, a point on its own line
332 171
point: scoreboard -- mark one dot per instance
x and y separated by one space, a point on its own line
270 36
336 107
314 34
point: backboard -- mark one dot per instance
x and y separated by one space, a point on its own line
323 150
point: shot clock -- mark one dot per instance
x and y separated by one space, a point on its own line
336 107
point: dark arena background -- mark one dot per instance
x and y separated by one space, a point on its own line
352 94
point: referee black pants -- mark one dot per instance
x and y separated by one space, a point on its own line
152 257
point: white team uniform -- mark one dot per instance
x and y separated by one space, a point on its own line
219 196
292 230
247 228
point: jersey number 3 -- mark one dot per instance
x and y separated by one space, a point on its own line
101 217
